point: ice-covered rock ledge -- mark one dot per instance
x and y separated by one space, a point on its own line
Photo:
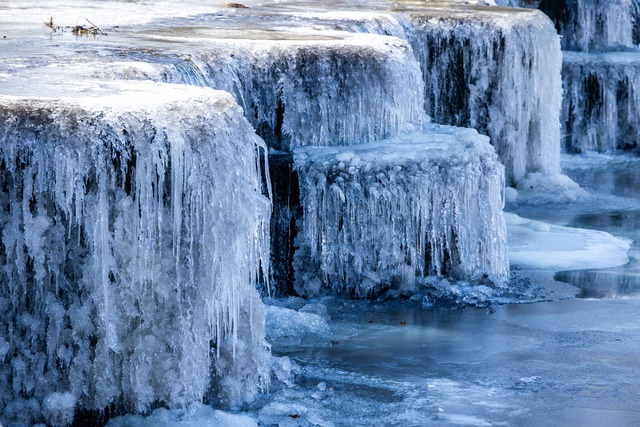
301 86
497 71
493 69
134 231
601 101
379 215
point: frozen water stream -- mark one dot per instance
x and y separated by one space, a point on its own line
134 220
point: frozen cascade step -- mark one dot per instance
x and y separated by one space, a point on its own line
134 232
601 102
320 88
493 69
595 25
300 86
497 72
387 214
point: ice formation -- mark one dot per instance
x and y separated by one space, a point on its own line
134 231
601 101
378 215
534 244
323 88
491 69
499 73
595 24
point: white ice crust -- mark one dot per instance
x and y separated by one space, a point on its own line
534 244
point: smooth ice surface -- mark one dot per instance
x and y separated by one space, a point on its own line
134 231
379 215
535 244
570 362
601 101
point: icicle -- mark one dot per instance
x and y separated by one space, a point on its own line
379 215
133 238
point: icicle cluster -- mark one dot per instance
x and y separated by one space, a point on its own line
379 215
134 231
499 73
338 89
601 102
587 25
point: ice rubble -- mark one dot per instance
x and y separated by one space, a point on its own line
377 215
134 231
601 101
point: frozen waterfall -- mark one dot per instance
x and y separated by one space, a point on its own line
601 101
386 214
134 231
500 74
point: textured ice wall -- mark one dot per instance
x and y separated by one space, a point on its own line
601 102
587 25
333 89
380 215
134 231
498 73
492 69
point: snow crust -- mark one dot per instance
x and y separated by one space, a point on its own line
534 244
134 232
379 215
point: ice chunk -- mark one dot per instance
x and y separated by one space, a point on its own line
378 215
195 415
544 246
134 232
601 102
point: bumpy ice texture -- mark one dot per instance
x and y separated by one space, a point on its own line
134 231
380 215
587 25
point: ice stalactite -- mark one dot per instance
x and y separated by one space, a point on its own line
601 101
595 24
491 69
499 73
327 88
134 232
385 214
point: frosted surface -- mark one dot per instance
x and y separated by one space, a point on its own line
378 215
133 234
601 101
